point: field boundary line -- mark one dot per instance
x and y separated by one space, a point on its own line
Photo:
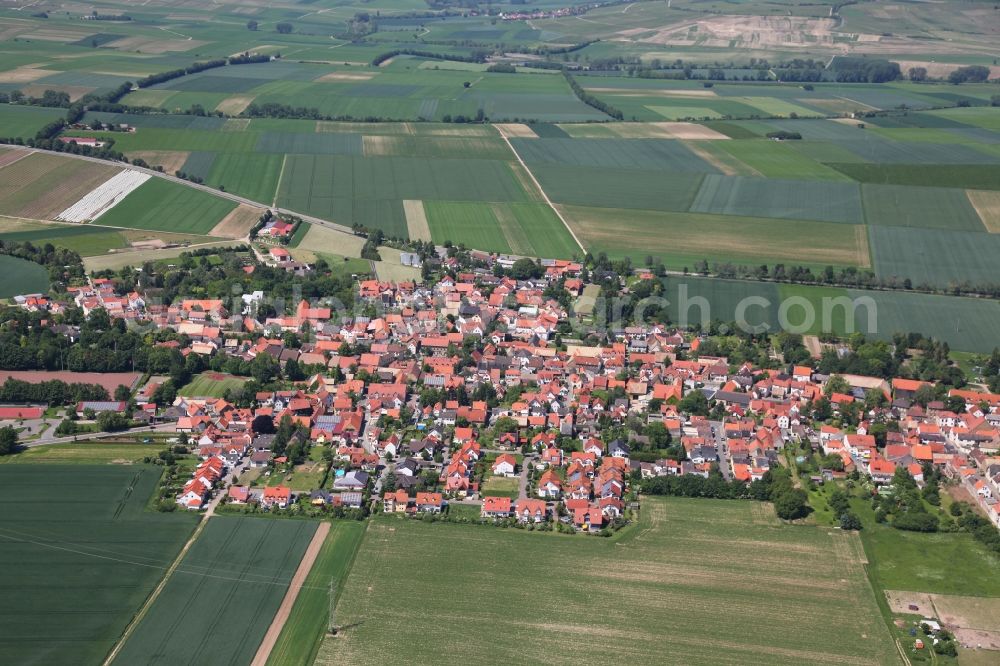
130 629
285 609
277 187
18 159
542 191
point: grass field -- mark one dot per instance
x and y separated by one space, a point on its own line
303 632
167 206
79 555
20 276
928 207
211 385
24 121
525 229
221 599
793 593
86 453
934 256
500 486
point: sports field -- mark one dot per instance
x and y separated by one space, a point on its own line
221 599
797 594
79 553
211 385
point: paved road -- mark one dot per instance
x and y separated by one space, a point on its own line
49 437
719 440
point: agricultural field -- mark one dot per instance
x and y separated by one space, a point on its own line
309 620
967 324
77 541
223 595
211 385
666 580
24 121
167 206
525 229
100 452
20 276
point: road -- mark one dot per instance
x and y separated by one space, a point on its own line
719 441
48 437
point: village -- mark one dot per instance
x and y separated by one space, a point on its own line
456 400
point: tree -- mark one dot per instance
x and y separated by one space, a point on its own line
252 25
8 440
792 505
123 393
917 73
659 436
849 521
284 28
112 422
694 403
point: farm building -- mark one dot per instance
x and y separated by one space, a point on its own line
98 406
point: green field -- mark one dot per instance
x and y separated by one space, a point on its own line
211 385
936 257
793 593
219 602
24 121
79 555
929 207
523 228
168 206
303 632
86 453
20 276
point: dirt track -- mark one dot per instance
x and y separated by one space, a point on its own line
285 609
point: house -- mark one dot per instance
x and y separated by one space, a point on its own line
280 255
619 449
353 480
531 510
429 502
505 465
279 496
259 459
238 495
549 486
395 502
496 507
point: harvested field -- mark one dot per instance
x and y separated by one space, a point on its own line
238 223
43 185
232 106
987 205
235 124
74 92
9 156
324 240
346 76
665 582
516 130
109 380
171 160
25 74
416 220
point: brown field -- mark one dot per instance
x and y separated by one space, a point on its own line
416 220
117 260
640 232
235 105
321 239
515 130
9 156
741 31
347 76
155 46
238 223
646 92
74 92
42 185
109 380
721 160
24 74
987 205
171 160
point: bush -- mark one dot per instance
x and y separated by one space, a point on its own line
792 504
916 522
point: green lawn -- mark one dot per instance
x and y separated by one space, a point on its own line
211 385
500 486
793 593
86 453
303 632
20 276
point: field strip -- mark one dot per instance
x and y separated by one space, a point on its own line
727 169
516 130
864 253
281 174
854 101
104 197
987 205
416 220
285 609
517 240
156 593
544 195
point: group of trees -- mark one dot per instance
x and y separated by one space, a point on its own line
591 100
865 70
903 506
776 486
52 392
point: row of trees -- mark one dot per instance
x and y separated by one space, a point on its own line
591 100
